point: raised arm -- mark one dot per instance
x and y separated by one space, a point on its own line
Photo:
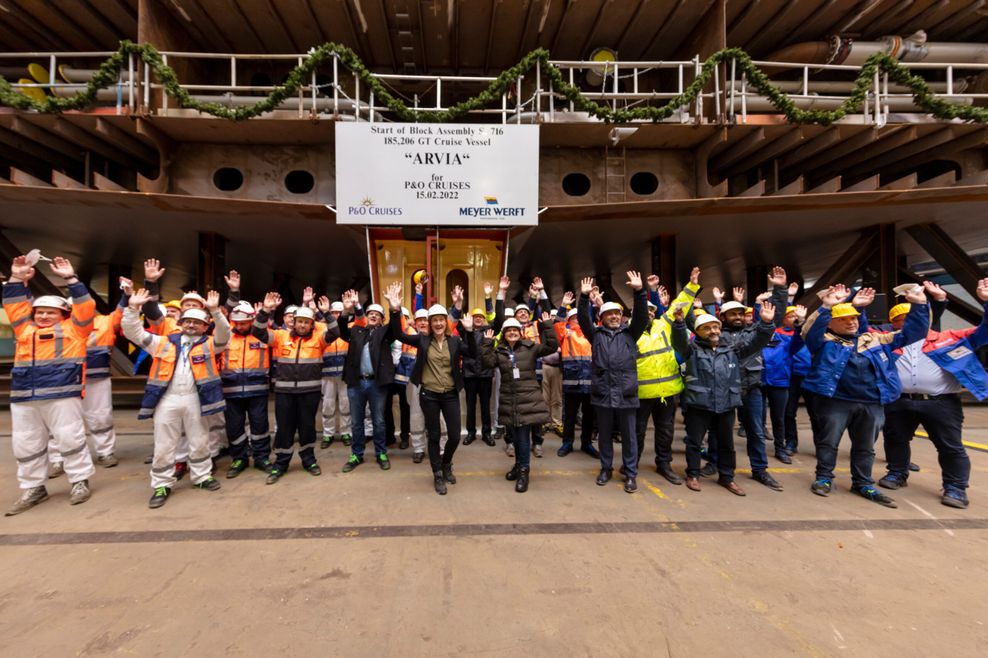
639 311
680 334
583 308
260 330
132 327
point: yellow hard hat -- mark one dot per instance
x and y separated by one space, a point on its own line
844 311
174 304
478 311
749 310
790 309
419 276
897 310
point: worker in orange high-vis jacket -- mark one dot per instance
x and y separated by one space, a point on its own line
46 382
183 390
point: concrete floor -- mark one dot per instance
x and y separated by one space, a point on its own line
373 563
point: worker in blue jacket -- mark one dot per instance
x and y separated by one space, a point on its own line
934 371
854 376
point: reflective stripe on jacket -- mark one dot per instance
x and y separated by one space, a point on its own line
245 365
106 328
576 357
202 360
659 373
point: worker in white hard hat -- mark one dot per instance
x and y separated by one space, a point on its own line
47 379
335 404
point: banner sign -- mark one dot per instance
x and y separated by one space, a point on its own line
401 174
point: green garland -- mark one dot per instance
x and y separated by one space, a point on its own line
109 72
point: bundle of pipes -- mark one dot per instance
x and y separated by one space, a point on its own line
914 48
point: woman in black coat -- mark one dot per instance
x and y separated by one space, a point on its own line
439 372
521 405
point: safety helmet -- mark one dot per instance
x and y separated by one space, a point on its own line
336 306
304 312
898 310
52 301
730 306
652 306
193 297
291 309
195 314
706 318
522 307
511 323
241 312
610 306
570 313
406 312
790 309
844 311
422 314
478 311
175 304
437 309
509 312
376 308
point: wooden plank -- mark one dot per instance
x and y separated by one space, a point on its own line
65 182
18 177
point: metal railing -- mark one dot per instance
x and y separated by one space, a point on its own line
336 92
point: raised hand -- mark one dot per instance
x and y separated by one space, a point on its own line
843 290
596 297
697 303
695 275
777 276
467 322
457 294
20 269
488 289
139 299
653 281
718 294
738 294
153 269
503 283
126 286
232 280
393 295
678 314
767 312
793 289
864 297
762 298
917 295
568 298
800 314
586 285
982 290
419 288
489 334
832 295
62 267
258 307
212 301
537 284
308 295
935 291
272 300
634 280
664 296
546 317
349 299
323 304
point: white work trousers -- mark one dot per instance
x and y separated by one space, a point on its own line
177 413
335 407
32 423
217 433
97 411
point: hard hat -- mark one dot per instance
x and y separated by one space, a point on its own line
511 323
522 307
789 309
697 312
897 310
193 297
437 309
173 304
195 314
291 310
162 308
703 319
304 312
420 276
52 301
406 312
422 314
653 306
749 310
336 306
509 312
844 311
478 311
730 306
241 312
375 308
610 306
570 313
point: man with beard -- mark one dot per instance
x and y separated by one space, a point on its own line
298 381
853 375
614 377
713 385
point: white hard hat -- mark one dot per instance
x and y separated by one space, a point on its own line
509 312
570 313
195 314
375 307
610 306
511 323
336 306
304 312
653 306
522 307
406 312
731 306
241 312
163 310
52 301
422 313
291 309
437 309
193 297
706 318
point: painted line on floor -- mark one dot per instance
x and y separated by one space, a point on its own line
486 529
928 515
967 444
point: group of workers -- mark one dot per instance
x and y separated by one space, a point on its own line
541 366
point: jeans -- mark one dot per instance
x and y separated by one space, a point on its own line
396 390
447 404
253 409
478 387
623 420
792 406
752 413
295 412
366 390
777 397
942 418
521 437
862 420
573 403
700 422
663 415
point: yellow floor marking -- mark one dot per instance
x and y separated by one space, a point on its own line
969 444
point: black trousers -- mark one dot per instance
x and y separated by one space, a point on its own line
238 412
698 423
777 399
792 406
573 404
295 413
943 419
396 390
609 420
663 415
447 404
478 387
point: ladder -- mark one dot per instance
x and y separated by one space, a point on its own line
614 175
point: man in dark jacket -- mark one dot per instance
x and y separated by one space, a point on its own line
614 375
477 382
368 371
713 387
